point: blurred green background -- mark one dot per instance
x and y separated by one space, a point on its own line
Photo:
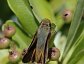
5 12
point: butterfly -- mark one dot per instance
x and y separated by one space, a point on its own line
38 49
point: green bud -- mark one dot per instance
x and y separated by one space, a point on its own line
67 16
9 31
4 42
54 53
14 56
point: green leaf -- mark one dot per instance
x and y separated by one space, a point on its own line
4 56
71 4
76 51
81 61
77 57
42 10
56 5
22 10
74 25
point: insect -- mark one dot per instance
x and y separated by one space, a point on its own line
38 49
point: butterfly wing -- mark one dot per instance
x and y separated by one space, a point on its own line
29 56
42 44
38 50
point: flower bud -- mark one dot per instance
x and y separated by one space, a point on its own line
54 53
67 16
14 56
9 31
4 42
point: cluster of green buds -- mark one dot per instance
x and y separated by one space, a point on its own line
4 42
